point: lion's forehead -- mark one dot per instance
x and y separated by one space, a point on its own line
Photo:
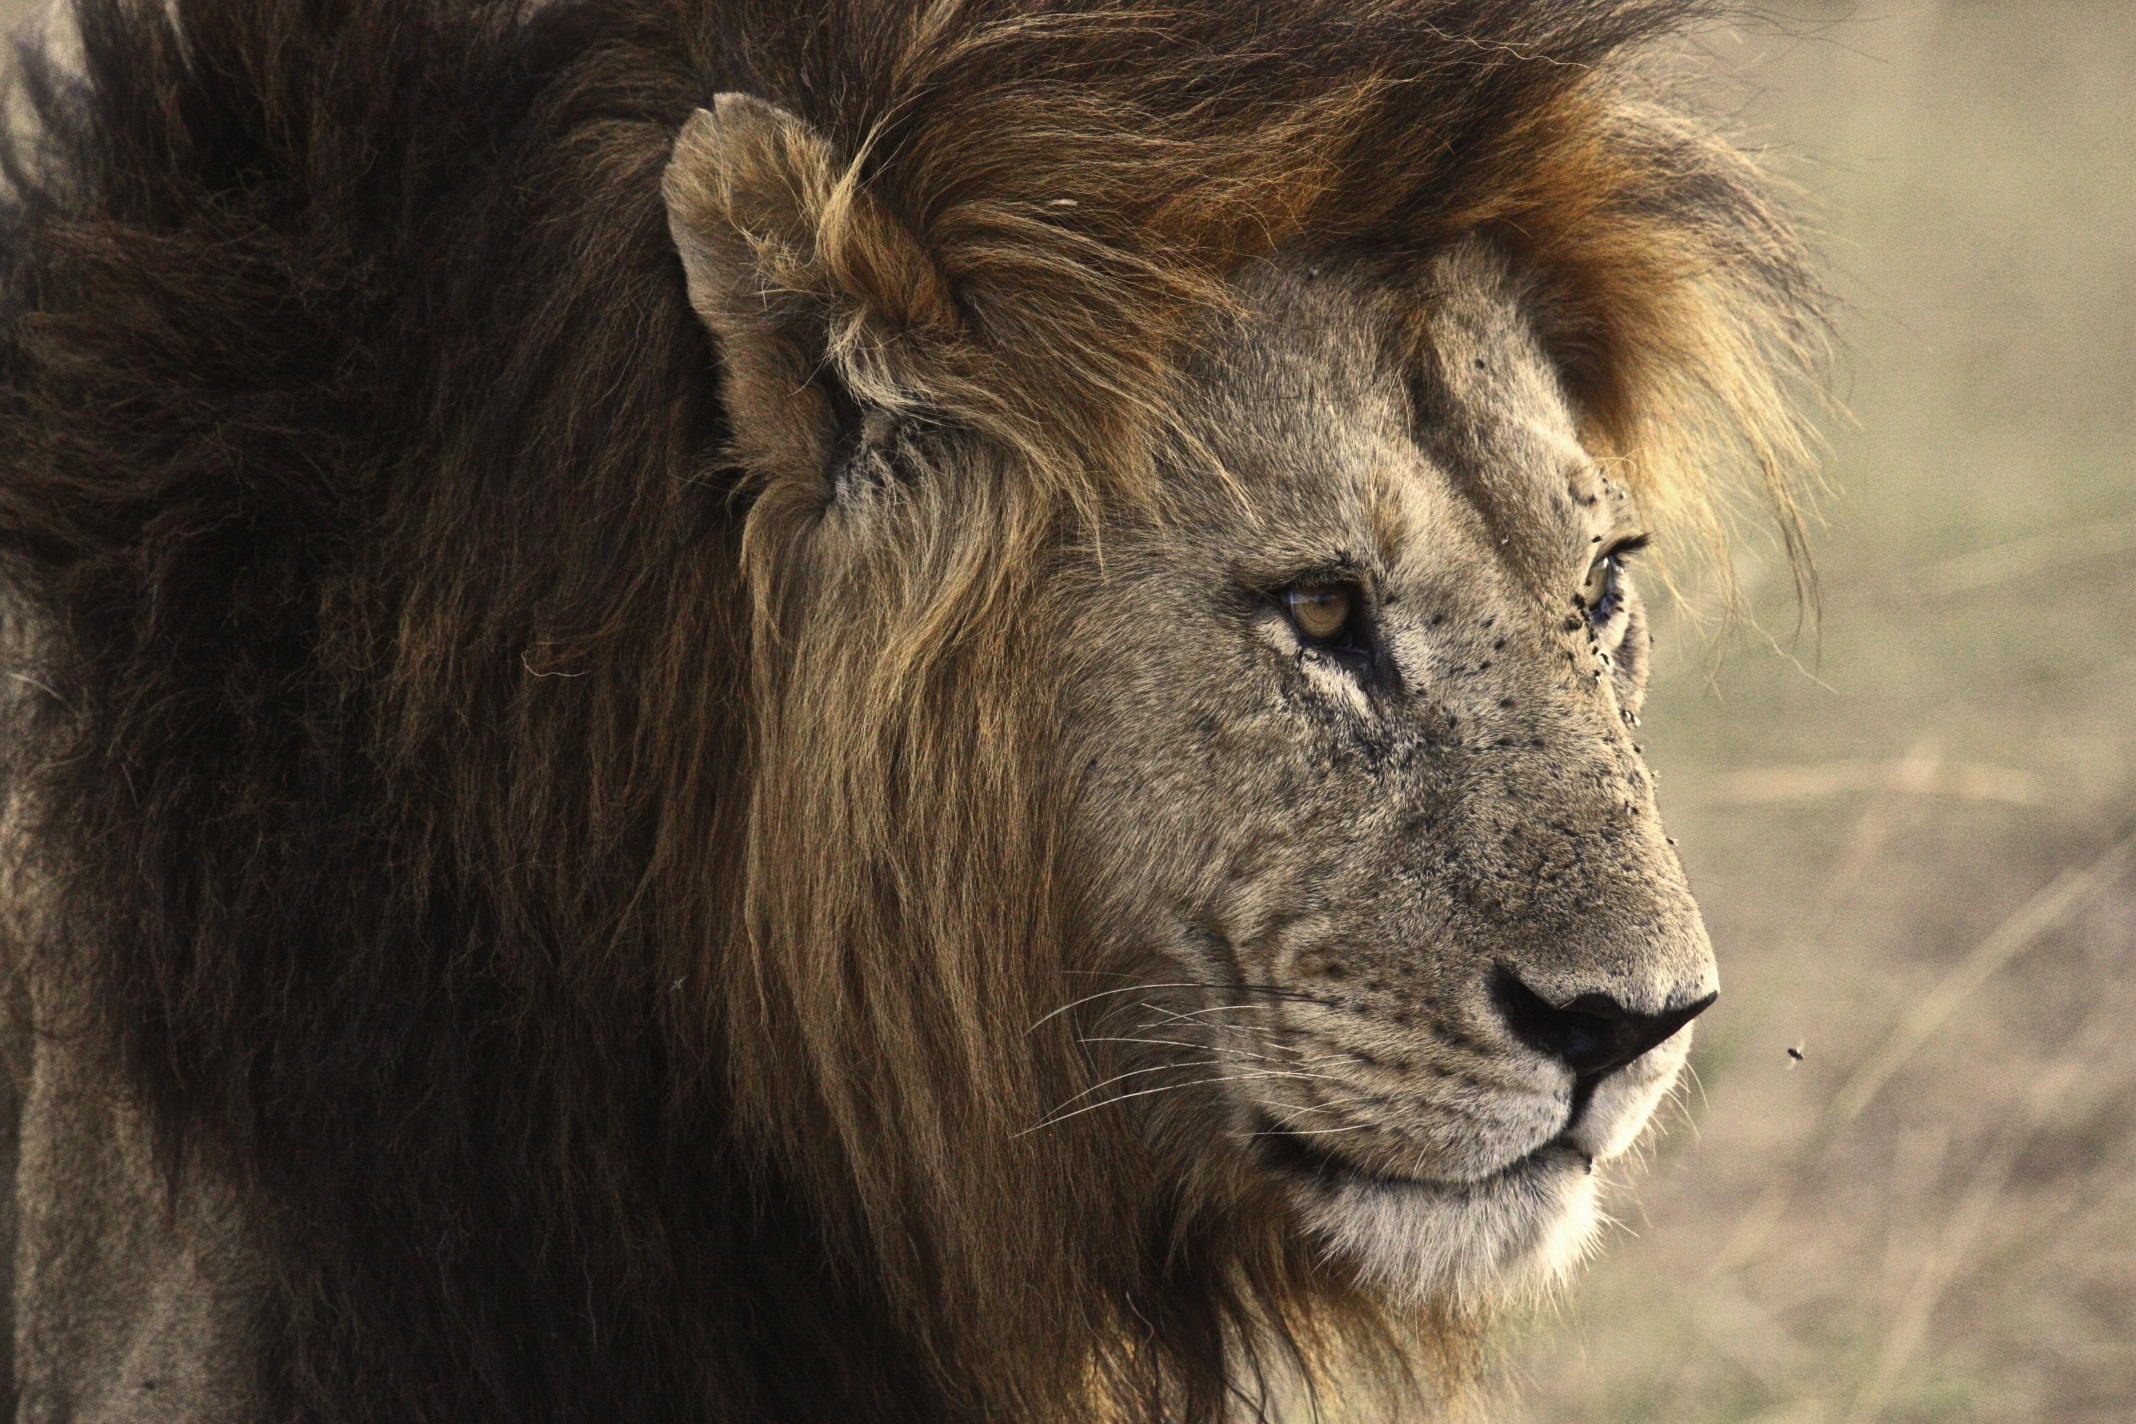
1418 415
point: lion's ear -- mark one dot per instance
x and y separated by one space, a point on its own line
808 285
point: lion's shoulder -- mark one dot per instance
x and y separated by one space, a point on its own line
121 1301
130 1304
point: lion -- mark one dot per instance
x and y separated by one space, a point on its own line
877 711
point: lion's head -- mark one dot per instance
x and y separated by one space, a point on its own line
1232 691
914 711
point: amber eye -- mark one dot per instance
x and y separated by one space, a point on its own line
1603 593
1321 612
1603 590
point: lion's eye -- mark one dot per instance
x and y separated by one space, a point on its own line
1603 592
1321 612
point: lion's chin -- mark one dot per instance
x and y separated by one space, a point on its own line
1522 1228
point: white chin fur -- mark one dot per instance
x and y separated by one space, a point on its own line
1521 1230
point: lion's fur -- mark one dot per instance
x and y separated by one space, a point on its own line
601 945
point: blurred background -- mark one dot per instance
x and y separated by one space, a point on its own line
1910 826
1910 823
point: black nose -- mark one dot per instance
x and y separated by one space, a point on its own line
1592 1034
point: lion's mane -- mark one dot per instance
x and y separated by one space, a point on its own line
606 961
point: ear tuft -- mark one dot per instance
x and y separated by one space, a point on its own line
745 189
807 283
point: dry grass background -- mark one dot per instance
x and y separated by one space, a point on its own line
1911 832
1911 835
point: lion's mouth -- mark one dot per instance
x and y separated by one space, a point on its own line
1301 1159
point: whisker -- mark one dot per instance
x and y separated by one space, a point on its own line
1156 1068
1296 995
1213 1048
1118 1077
1153 1042
1177 1015
1108 993
1314 1131
1300 1054
1166 1088
1242 987
1267 991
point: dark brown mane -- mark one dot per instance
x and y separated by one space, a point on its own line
418 809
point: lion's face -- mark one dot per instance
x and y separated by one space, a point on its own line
1353 736
1257 718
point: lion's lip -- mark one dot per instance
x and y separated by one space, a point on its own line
1298 1157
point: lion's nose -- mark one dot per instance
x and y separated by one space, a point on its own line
1592 1034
